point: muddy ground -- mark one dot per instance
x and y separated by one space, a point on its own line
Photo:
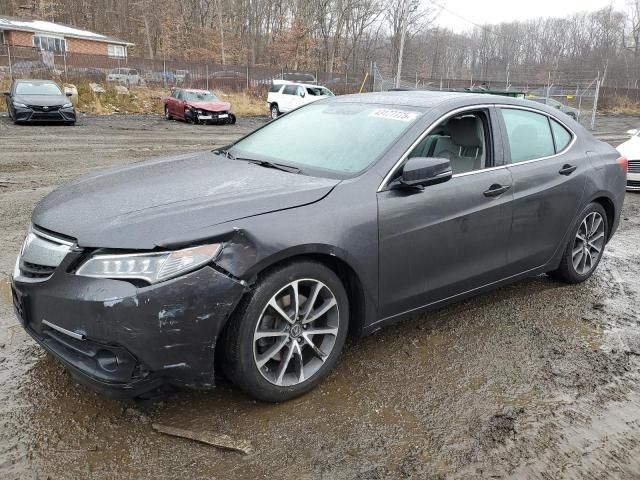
535 380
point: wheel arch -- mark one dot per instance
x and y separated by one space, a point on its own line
610 209
361 307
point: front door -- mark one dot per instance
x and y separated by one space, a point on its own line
452 237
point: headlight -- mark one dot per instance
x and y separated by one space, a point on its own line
152 267
20 105
67 105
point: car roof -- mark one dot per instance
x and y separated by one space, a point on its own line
194 90
298 84
431 98
25 80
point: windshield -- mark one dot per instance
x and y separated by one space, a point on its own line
319 92
199 96
334 140
28 88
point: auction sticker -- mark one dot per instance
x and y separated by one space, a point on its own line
390 114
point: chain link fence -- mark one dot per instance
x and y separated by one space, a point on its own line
579 100
25 62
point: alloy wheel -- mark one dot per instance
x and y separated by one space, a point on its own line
296 332
588 244
274 112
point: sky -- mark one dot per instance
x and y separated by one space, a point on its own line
497 11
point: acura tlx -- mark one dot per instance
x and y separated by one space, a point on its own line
347 214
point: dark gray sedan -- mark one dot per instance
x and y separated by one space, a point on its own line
39 101
345 215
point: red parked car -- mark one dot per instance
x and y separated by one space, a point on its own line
197 106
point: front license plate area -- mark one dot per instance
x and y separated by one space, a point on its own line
204 117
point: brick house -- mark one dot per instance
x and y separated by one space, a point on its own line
59 38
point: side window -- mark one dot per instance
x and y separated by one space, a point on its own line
529 135
290 90
178 95
275 88
462 139
561 136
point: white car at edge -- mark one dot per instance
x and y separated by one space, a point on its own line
285 96
631 150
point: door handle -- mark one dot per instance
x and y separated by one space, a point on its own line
567 169
496 190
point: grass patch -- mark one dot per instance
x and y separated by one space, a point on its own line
618 105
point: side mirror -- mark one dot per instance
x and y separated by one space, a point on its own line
420 172
632 133
301 93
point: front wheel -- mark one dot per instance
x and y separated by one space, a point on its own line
585 246
287 335
275 111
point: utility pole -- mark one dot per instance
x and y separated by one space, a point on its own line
403 34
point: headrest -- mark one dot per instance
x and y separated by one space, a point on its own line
465 132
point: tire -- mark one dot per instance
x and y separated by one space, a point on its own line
597 233
167 114
299 360
275 111
232 119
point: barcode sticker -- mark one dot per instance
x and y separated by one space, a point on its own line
390 114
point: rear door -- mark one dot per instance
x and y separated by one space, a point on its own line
288 95
549 178
452 237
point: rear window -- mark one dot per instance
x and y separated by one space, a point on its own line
290 90
275 88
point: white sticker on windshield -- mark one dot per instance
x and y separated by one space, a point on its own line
390 114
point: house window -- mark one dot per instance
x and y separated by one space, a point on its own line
3 40
117 51
49 44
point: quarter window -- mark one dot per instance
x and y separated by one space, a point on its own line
529 135
49 44
561 136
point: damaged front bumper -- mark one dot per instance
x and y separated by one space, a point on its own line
124 340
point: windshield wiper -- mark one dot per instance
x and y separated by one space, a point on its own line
267 164
262 163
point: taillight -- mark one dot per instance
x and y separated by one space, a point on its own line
624 164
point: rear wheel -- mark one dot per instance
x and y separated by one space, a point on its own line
287 336
275 111
167 114
585 247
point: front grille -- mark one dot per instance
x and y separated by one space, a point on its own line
33 270
40 108
634 166
633 183
41 254
46 116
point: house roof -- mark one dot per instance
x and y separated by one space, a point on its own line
41 26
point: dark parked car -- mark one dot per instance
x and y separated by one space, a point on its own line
347 214
39 101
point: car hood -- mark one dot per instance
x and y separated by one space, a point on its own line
211 106
172 200
41 100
